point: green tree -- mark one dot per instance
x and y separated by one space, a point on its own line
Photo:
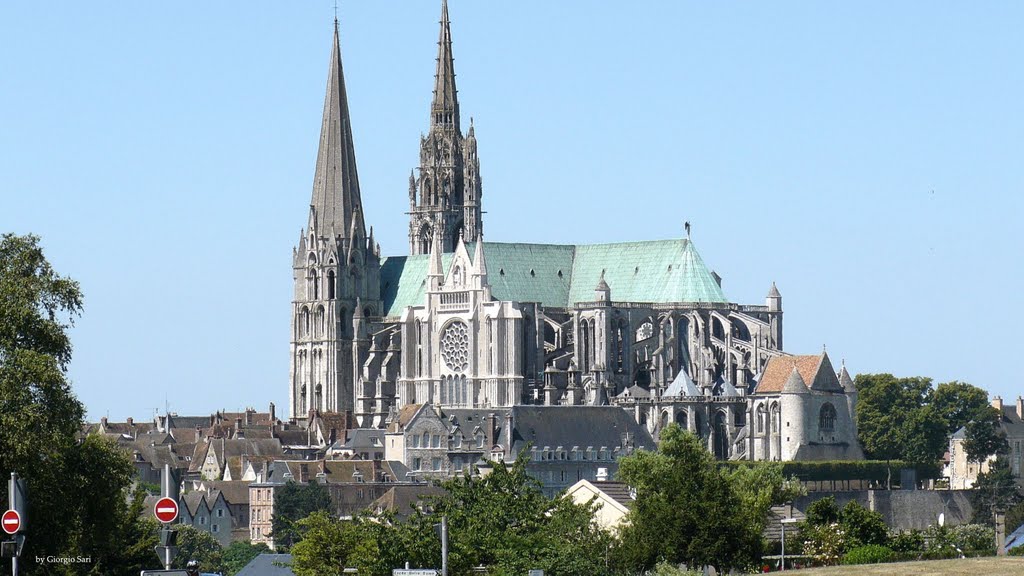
77 492
293 502
823 511
984 436
863 526
994 490
760 487
238 554
896 419
199 545
325 547
958 403
686 510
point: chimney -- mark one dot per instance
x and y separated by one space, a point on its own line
130 421
997 403
602 474
492 428
248 416
273 414
508 433
1020 407
334 436
103 421
238 425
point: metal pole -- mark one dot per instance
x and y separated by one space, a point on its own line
444 546
783 546
14 566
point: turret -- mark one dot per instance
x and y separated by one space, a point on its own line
774 303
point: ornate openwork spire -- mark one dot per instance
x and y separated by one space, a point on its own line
445 107
336 199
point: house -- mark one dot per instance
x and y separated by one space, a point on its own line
207 511
963 473
612 501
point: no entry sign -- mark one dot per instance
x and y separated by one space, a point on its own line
11 521
166 510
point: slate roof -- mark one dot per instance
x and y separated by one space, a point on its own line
569 426
400 500
682 386
235 492
618 491
268 565
561 275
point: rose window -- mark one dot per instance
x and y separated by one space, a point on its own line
455 347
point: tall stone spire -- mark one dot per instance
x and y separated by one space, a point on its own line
448 190
445 107
336 200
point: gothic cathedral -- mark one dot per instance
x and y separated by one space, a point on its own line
463 323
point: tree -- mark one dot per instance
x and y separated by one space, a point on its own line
293 502
238 554
78 492
958 403
863 526
760 487
994 490
984 436
686 509
502 521
198 545
896 419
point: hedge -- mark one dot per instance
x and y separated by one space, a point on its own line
873 470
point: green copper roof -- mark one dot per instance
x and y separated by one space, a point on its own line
561 275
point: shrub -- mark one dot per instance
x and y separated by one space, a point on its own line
973 537
826 543
824 511
666 569
863 526
1017 551
910 541
869 554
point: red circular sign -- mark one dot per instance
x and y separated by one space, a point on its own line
11 521
166 510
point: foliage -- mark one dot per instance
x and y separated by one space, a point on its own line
502 521
80 504
907 541
293 502
1015 551
896 419
995 489
863 526
869 554
1014 517
666 569
826 543
761 487
973 537
984 436
686 510
325 546
239 554
199 545
958 403
823 511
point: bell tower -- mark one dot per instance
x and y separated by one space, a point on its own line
445 195
335 266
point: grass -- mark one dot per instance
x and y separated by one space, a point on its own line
991 566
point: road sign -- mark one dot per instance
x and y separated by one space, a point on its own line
11 521
166 510
414 572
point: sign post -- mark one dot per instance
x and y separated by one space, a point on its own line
13 520
166 511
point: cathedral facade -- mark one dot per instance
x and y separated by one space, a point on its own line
461 323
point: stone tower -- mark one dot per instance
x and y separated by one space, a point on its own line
446 194
335 266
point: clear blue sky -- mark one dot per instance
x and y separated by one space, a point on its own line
865 156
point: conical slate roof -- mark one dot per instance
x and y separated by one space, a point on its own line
795 384
681 386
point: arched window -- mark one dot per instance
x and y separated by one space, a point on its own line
304 322
682 419
585 346
419 348
331 284
776 417
312 292
320 323
620 350
827 418
490 347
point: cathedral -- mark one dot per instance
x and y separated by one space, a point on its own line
461 323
